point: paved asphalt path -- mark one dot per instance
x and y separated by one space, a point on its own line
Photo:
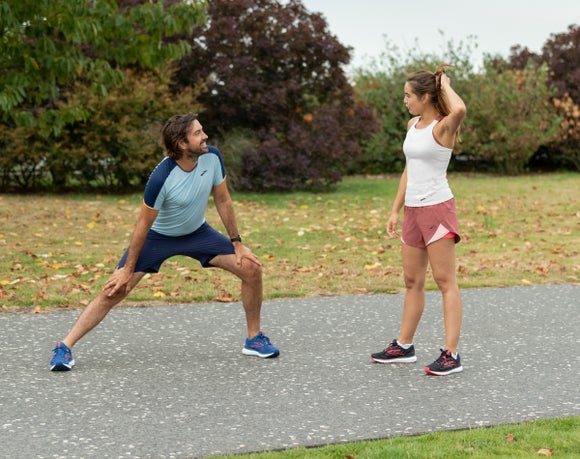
171 382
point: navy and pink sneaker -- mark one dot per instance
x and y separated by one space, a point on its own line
444 365
395 354
260 346
62 360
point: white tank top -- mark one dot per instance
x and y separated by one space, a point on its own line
427 162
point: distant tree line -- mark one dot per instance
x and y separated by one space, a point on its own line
523 112
86 86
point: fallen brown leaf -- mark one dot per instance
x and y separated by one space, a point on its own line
224 297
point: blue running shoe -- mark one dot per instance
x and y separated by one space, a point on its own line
260 346
62 360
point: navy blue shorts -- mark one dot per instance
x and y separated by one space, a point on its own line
203 244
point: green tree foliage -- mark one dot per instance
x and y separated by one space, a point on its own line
510 116
118 146
275 69
509 112
383 91
62 62
380 85
561 53
47 45
565 150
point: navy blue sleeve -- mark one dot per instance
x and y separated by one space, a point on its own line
157 180
216 152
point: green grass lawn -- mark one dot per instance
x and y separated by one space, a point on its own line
544 437
56 251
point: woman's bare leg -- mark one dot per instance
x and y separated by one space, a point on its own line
442 261
414 270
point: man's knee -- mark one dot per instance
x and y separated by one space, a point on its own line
252 271
107 300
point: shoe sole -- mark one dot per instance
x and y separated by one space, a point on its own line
443 373
257 354
63 366
398 360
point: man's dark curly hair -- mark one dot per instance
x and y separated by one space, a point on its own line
175 130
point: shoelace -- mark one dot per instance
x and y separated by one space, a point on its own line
392 345
61 350
445 358
394 349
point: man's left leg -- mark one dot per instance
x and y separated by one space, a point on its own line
249 271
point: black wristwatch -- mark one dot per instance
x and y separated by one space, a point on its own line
238 238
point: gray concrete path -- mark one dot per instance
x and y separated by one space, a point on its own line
171 382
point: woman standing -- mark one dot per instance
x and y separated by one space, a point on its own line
430 227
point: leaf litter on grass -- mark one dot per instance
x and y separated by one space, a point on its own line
56 251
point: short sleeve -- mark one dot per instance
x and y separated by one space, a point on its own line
154 189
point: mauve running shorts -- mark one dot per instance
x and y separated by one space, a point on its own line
424 225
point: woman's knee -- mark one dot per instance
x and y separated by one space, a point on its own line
414 282
445 282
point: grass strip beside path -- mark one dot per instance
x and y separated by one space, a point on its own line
540 438
56 251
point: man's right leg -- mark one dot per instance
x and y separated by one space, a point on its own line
90 317
96 311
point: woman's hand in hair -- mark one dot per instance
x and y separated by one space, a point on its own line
444 79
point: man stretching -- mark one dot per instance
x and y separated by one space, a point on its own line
172 222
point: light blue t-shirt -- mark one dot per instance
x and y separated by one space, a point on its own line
181 197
